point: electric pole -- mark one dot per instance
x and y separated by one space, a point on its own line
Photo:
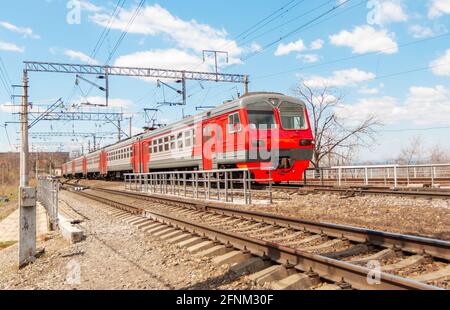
27 195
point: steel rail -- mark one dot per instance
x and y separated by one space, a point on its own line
408 243
326 268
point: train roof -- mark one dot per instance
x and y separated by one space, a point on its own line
226 107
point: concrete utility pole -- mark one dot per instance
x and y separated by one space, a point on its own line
27 195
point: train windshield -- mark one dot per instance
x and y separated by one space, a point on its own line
261 116
292 116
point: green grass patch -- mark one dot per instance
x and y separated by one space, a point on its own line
5 244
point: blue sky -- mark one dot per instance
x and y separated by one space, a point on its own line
390 58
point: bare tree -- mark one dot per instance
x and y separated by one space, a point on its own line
412 153
438 155
335 141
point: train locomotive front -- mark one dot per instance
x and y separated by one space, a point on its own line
279 137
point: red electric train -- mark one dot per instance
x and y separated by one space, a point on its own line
259 131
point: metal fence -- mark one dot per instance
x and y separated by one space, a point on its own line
227 185
47 195
432 175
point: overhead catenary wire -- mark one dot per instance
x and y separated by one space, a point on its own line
307 25
124 33
265 47
352 57
107 29
4 78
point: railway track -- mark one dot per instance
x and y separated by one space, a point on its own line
308 252
361 190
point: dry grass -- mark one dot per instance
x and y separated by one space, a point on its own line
4 245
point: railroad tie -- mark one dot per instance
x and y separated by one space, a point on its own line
297 281
439 275
230 258
205 245
214 251
407 262
271 274
249 266
323 245
386 253
171 235
305 240
164 231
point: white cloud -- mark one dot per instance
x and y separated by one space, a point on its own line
76 55
298 46
286 49
368 90
422 106
441 65
90 7
439 8
388 11
308 58
171 58
10 47
341 78
421 32
365 39
316 45
7 107
26 32
155 20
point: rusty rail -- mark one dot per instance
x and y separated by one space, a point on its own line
408 243
326 268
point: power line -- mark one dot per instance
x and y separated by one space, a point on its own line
4 78
334 8
107 29
263 20
304 26
127 28
305 14
273 19
351 57
288 22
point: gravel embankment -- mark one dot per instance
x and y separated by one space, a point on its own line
113 256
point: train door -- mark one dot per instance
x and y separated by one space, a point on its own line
145 155
136 158
207 150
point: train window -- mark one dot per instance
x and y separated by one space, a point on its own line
292 116
166 144
180 140
194 137
172 142
187 140
155 149
261 116
234 123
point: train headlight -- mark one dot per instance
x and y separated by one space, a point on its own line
305 142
